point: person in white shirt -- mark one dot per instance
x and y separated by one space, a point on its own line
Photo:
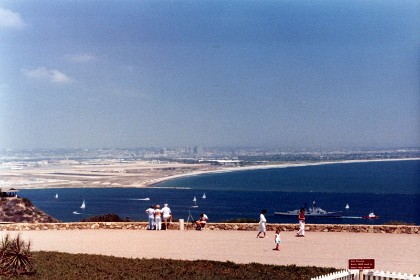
151 213
167 215
202 221
262 226
158 217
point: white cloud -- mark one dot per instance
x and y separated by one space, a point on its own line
10 19
51 75
81 58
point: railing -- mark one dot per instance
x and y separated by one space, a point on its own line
367 275
339 275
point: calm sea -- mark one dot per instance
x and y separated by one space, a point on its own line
389 189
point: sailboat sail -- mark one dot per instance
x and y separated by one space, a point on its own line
204 196
195 202
83 206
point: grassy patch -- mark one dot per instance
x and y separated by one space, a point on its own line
54 265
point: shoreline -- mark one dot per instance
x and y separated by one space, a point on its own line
153 182
138 174
180 172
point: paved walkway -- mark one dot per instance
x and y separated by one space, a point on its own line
392 252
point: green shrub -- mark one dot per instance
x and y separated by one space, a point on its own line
54 265
15 256
27 202
104 218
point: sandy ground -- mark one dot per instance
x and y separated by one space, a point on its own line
103 174
392 252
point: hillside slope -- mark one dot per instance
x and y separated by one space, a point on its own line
21 210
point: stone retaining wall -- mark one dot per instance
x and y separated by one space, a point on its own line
398 229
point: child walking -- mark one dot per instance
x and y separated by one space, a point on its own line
277 240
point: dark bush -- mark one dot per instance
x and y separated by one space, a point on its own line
27 202
104 218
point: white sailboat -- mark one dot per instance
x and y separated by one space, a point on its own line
56 195
204 196
347 206
83 206
195 203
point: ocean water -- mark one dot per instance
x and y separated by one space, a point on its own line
390 189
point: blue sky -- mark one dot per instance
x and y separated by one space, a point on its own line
322 74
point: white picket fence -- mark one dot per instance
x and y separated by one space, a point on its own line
367 275
339 275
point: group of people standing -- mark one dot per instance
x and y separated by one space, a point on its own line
157 215
262 227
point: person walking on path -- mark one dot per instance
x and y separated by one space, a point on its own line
151 214
158 218
301 217
167 215
262 227
277 240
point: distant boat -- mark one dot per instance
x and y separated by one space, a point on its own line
56 195
76 213
204 196
347 206
313 211
146 198
83 206
195 203
371 216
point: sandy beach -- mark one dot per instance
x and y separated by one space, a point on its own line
392 252
113 173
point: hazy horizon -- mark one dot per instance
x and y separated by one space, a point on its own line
126 74
285 149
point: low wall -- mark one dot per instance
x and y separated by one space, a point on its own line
398 229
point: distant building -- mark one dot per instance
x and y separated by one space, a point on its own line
8 192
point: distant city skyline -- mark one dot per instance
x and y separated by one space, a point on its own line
125 74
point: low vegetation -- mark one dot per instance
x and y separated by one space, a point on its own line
21 210
18 262
53 265
104 218
15 256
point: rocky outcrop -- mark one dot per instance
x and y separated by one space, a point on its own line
391 229
21 210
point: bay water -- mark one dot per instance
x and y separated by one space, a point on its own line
390 189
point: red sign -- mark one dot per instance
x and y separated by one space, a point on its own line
361 264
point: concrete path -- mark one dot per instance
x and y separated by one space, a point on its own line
392 252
